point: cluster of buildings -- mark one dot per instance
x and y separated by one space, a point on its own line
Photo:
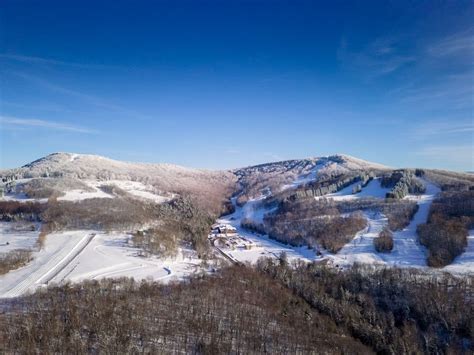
225 236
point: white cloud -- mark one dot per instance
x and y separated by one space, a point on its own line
454 44
94 100
33 122
378 58
461 155
450 127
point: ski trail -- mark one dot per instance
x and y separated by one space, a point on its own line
45 272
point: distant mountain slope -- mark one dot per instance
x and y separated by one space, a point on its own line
278 176
211 187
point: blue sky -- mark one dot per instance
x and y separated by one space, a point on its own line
223 84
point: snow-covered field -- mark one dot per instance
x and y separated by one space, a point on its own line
465 262
16 235
373 189
21 197
134 188
81 255
407 252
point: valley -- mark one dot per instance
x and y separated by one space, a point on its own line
123 198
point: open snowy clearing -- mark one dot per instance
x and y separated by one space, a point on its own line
407 251
79 195
465 262
18 235
373 189
81 255
134 188
21 197
264 245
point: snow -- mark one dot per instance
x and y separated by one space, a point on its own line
111 255
18 235
407 251
464 263
139 189
264 246
79 195
21 197
305 178
135 188
81 255
372 189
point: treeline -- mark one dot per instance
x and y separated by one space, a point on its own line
21 211
328 184
181 218
449 180
445 234
398 212
238 311
393 311
329 223
51 187
332 232
14 259
162 241
402 182
383 243
99 214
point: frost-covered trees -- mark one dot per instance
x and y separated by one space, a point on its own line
14 259
402 182
384 242
445 234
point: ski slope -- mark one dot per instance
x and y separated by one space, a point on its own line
372 189
82 255
464 263
266 247
407 251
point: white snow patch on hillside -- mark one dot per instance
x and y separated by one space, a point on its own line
139 189
407 251
373 189
21 197
79 195
361 249
18 235
305 178
464 263
134 188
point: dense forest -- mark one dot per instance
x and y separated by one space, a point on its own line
329 223
273 308
445 233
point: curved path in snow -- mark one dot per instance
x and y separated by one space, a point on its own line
58 252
